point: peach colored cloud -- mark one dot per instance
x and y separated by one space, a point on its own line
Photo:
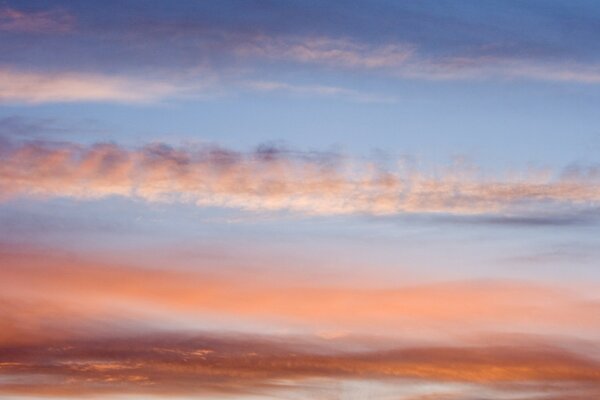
50 87
272 179
55 291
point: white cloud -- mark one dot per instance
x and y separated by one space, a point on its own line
47 87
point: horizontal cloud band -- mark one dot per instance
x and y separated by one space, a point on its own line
183 365
45 295
274 179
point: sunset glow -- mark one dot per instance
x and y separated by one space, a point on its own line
299 200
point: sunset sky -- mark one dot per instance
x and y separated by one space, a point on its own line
300 200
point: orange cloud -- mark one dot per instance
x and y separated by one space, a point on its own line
272 179
183 364
55 291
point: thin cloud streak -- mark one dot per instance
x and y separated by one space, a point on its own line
39 87
184 364
392 60
69 87
255 47
403 60
328 51
279 180
319 91
22 86
53 21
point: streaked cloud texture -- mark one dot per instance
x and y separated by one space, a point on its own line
299 200
30 87
276 179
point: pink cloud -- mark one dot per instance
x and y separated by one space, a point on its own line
48 87
404 60
283 181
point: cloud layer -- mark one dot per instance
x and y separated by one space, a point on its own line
46 295
280 180
248 61
124 270
404 60
73 326
247 52
184 364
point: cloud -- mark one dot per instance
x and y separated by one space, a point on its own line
49 294
66 87
511 68
184 364
241 71
319 90
404 60
336 52
55 21
539 220
281 180
75 326
426 44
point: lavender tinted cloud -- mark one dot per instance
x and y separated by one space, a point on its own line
408 41
53 21
250 53
405 60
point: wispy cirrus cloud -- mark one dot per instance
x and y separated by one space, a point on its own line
281 180
402 61
406 60
335 52
319 91
53 21
26 87
67 87
484 68
449 46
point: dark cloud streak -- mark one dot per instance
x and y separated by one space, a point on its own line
228 363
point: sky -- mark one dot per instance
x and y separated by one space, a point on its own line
300 200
